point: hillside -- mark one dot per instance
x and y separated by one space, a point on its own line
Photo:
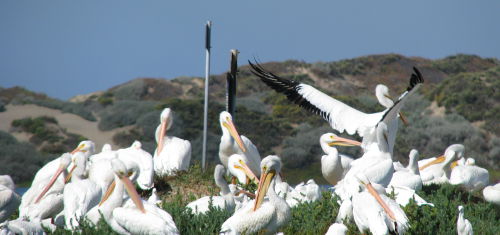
459 103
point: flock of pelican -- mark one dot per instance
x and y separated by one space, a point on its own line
85 185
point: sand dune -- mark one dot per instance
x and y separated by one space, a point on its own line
72 123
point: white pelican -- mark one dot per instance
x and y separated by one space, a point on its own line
143 159
45 199
410 176
143 218
334 165
106 153
492 193
345 211
7 181
29 198
266 216
225 201
309 191
232 143
9 199
238 167
376 164
470 176
336 229
403 195
438 171
82 195
154 198
172 154
464 227
19 226
374 211
86 147
340 116
292 197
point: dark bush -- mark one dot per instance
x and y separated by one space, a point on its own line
123 113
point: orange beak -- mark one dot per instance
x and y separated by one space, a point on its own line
435 161
265 181
377 197
403 119
51 182
232 130
68 177
339 141
248 172
163 131
108 193
133 194
77 149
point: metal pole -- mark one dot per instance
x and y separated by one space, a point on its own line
231 83
208 28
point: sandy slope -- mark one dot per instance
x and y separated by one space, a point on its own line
72 123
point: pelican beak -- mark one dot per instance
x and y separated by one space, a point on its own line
108 193
77 149
265 181
435 161
133 193
68 177
232 130
163 131
339 141
403 119
248 172
375 194
51 183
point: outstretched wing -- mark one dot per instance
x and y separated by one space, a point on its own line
341 117
416 81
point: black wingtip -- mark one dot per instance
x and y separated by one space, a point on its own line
415 79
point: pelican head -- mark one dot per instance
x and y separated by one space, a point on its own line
123 174
270 166
219 179
226 123
238 167
331 140
383 97
454 151
461 209
86 146
64 162
166 120
136 145
106 148
413 163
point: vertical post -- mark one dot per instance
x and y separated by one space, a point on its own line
231 83
208 29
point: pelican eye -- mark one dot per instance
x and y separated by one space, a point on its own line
240 161
332 137
264 168
130 173
227 118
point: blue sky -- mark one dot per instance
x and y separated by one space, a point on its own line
64 48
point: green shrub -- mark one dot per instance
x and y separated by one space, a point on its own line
123 113
20 160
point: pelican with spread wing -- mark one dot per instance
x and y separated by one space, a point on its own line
340 116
